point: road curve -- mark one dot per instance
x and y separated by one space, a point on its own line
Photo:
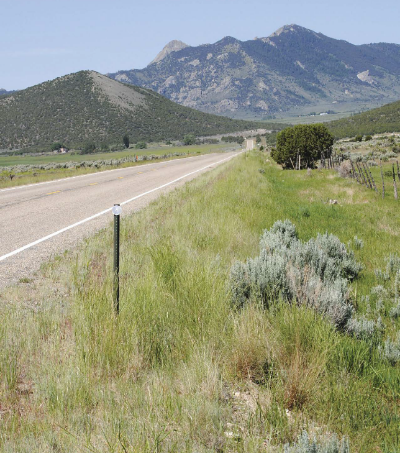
40 220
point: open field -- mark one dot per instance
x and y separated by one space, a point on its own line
31 176
307 119
182 370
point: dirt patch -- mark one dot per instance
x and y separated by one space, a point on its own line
117 93
344 195
388 229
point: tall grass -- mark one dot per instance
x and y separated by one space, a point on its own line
180 369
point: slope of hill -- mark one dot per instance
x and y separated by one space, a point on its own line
375 121
294 69
88 106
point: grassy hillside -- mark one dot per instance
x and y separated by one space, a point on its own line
87 106
181 369
375 121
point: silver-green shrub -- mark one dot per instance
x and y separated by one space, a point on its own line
391 350
363 328
392 264
358 243
392 267
395 311
313 273
329 445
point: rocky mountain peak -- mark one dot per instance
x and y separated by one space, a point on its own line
227 40
292 28
172 46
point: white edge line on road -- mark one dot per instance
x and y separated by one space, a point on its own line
56 233
68 178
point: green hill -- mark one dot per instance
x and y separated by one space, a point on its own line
375 121
87 106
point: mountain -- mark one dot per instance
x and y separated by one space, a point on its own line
375 121
292 71
3 91
88 106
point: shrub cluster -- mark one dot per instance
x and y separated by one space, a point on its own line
330 445
313 273
370 157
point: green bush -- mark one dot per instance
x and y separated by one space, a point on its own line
141 145
89 148
56 145
189 139
309 141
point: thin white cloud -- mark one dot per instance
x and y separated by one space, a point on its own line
37 52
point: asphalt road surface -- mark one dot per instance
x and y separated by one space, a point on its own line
40 220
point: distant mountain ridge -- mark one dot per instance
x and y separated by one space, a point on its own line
293 68
87 106
3 91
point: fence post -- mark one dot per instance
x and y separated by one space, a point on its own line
117 212
383 181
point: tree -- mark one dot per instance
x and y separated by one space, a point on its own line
89 148
189 139
125 140
56 146
309 141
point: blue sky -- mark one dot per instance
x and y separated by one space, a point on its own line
43 39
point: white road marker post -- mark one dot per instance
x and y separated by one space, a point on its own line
117 212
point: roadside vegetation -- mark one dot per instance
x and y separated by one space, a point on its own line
185 366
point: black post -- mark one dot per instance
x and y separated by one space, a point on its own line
116 257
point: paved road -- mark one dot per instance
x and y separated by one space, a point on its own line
40 220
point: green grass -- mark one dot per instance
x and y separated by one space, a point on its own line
180 369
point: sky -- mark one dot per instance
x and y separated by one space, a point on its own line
44 39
